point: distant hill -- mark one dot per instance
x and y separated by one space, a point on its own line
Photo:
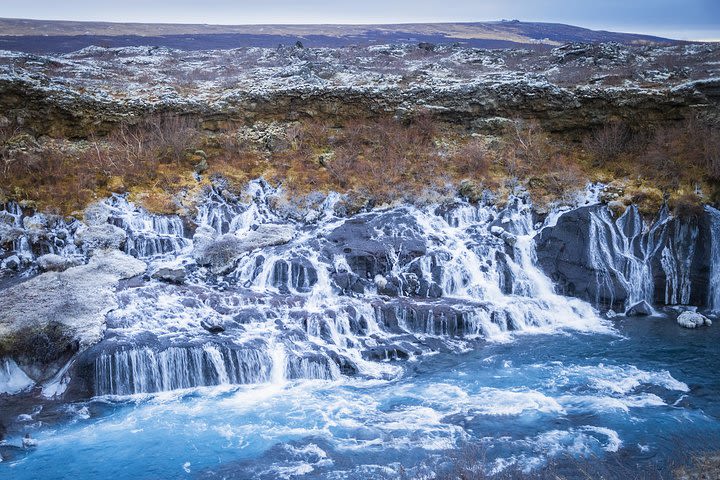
44 36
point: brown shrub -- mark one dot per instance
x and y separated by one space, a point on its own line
711 153
472 159
687 206
607 143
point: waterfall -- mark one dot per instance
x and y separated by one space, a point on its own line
714 281
619 252
148 235
144 370
676 262
31 236
225 213
344 296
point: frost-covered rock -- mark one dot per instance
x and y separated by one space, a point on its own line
100 237
96 214
48 318
35 227
480 88
692 320
12 262
267 235
56 263
213 325
503 234
170 274
220 253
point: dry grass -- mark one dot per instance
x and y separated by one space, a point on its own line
383 160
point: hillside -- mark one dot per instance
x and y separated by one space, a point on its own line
41 36
384 123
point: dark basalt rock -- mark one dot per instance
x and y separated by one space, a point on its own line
676 251
640 309
170 275
348 283
346 366
371 242
386 352
212 326
563 252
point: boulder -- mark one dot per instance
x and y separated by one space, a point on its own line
12 262
221 252
267 235
212 325
96 214
692 320
348 283
503 234
45 320
640 309
170 274
35 227
100 237
56 263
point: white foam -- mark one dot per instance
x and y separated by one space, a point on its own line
12 379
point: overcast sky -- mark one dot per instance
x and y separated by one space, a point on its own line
686 19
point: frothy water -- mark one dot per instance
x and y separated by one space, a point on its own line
368 346
714 284
538 398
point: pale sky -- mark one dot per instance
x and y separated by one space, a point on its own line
682 19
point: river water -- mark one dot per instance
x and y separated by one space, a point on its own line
400 343
638 395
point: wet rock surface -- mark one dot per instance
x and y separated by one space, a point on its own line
617 262
47 319
258 295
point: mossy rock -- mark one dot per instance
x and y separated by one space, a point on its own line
649 200
202 166
22 142
470 190
116 184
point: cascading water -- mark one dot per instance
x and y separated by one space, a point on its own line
714 283
329 302
143 370
343 332
148 235
619 252
30 236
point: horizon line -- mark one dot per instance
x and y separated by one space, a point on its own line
671 34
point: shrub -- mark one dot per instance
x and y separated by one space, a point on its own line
472 159
687 206
607 143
